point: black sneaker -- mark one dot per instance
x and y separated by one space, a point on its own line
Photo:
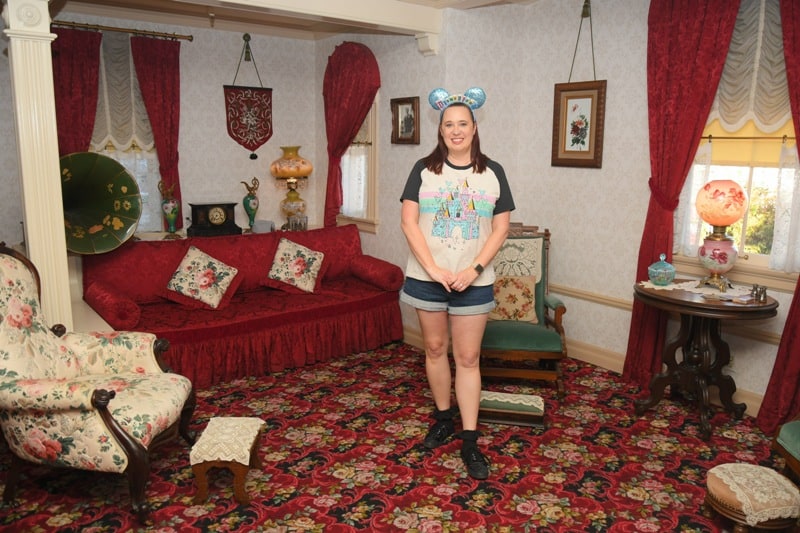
476 463
439 434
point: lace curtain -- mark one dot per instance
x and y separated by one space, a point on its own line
753 84
122 129
121 114
753 87
354 166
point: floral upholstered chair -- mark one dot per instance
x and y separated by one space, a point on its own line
524 337
90 401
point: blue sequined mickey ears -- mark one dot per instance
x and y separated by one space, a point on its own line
474 97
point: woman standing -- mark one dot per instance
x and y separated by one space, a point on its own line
455 215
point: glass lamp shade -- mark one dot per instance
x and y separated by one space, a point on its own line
721 202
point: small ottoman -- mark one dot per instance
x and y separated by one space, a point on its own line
514 409
751 495
227 442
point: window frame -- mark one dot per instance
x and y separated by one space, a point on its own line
369 223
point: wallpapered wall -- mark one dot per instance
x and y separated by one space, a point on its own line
516 54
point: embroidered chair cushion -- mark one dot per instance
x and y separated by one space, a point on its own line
295 268
760 493
202 281
515 299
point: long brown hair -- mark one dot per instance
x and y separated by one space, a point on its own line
435 160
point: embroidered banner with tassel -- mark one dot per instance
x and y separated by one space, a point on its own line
248 109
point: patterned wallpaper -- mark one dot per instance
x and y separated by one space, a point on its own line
516 53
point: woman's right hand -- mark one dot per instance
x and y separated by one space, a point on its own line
442 276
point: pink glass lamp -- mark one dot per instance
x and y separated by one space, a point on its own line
719 203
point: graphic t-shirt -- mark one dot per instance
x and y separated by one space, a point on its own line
455 214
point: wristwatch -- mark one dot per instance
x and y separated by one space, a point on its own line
478 268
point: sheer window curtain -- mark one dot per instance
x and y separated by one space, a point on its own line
354 164
122 124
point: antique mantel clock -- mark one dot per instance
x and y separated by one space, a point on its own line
213 219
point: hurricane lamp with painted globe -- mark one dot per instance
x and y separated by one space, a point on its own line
719 203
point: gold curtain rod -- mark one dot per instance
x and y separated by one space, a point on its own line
97 27
725 138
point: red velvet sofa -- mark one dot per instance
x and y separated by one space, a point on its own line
354 307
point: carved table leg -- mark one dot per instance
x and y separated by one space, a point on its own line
671 375
725 383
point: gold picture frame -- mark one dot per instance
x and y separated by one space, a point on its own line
578 120
405 120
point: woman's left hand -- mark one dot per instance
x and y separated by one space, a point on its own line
464 279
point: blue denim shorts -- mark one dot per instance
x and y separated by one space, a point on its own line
431 296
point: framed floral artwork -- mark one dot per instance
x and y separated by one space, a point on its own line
405 113
578 119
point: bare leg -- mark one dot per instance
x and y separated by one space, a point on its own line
467 335
437 365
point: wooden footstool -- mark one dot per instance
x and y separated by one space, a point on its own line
752 496
227 442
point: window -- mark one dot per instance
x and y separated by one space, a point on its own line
359 177
122 129
749 138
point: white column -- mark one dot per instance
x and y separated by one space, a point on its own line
28 29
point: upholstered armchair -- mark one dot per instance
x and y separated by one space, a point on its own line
787 443
90 401
524 337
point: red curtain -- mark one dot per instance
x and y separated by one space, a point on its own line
351 81
157 63
686 49
76 66
782 397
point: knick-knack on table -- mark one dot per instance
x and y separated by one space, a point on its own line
169 208
250 202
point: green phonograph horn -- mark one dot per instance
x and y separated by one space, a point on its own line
102 204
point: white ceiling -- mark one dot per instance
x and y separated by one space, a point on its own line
304 19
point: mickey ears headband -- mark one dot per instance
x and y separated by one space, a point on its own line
473 97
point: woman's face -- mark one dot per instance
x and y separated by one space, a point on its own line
457 129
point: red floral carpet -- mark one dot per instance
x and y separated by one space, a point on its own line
342 452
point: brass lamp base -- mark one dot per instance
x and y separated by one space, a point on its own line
715 280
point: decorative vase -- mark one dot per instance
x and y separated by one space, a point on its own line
718 254
250 201
661 273
169 208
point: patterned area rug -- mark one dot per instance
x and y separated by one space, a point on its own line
342 452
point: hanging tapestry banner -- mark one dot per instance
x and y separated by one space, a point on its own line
249 113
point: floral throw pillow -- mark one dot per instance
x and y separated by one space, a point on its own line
202 281
294 266
515 299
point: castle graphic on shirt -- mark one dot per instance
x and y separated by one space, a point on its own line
456 212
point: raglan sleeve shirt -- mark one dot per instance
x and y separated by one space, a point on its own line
456 209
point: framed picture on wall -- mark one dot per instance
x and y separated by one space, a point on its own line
405 120
578 118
